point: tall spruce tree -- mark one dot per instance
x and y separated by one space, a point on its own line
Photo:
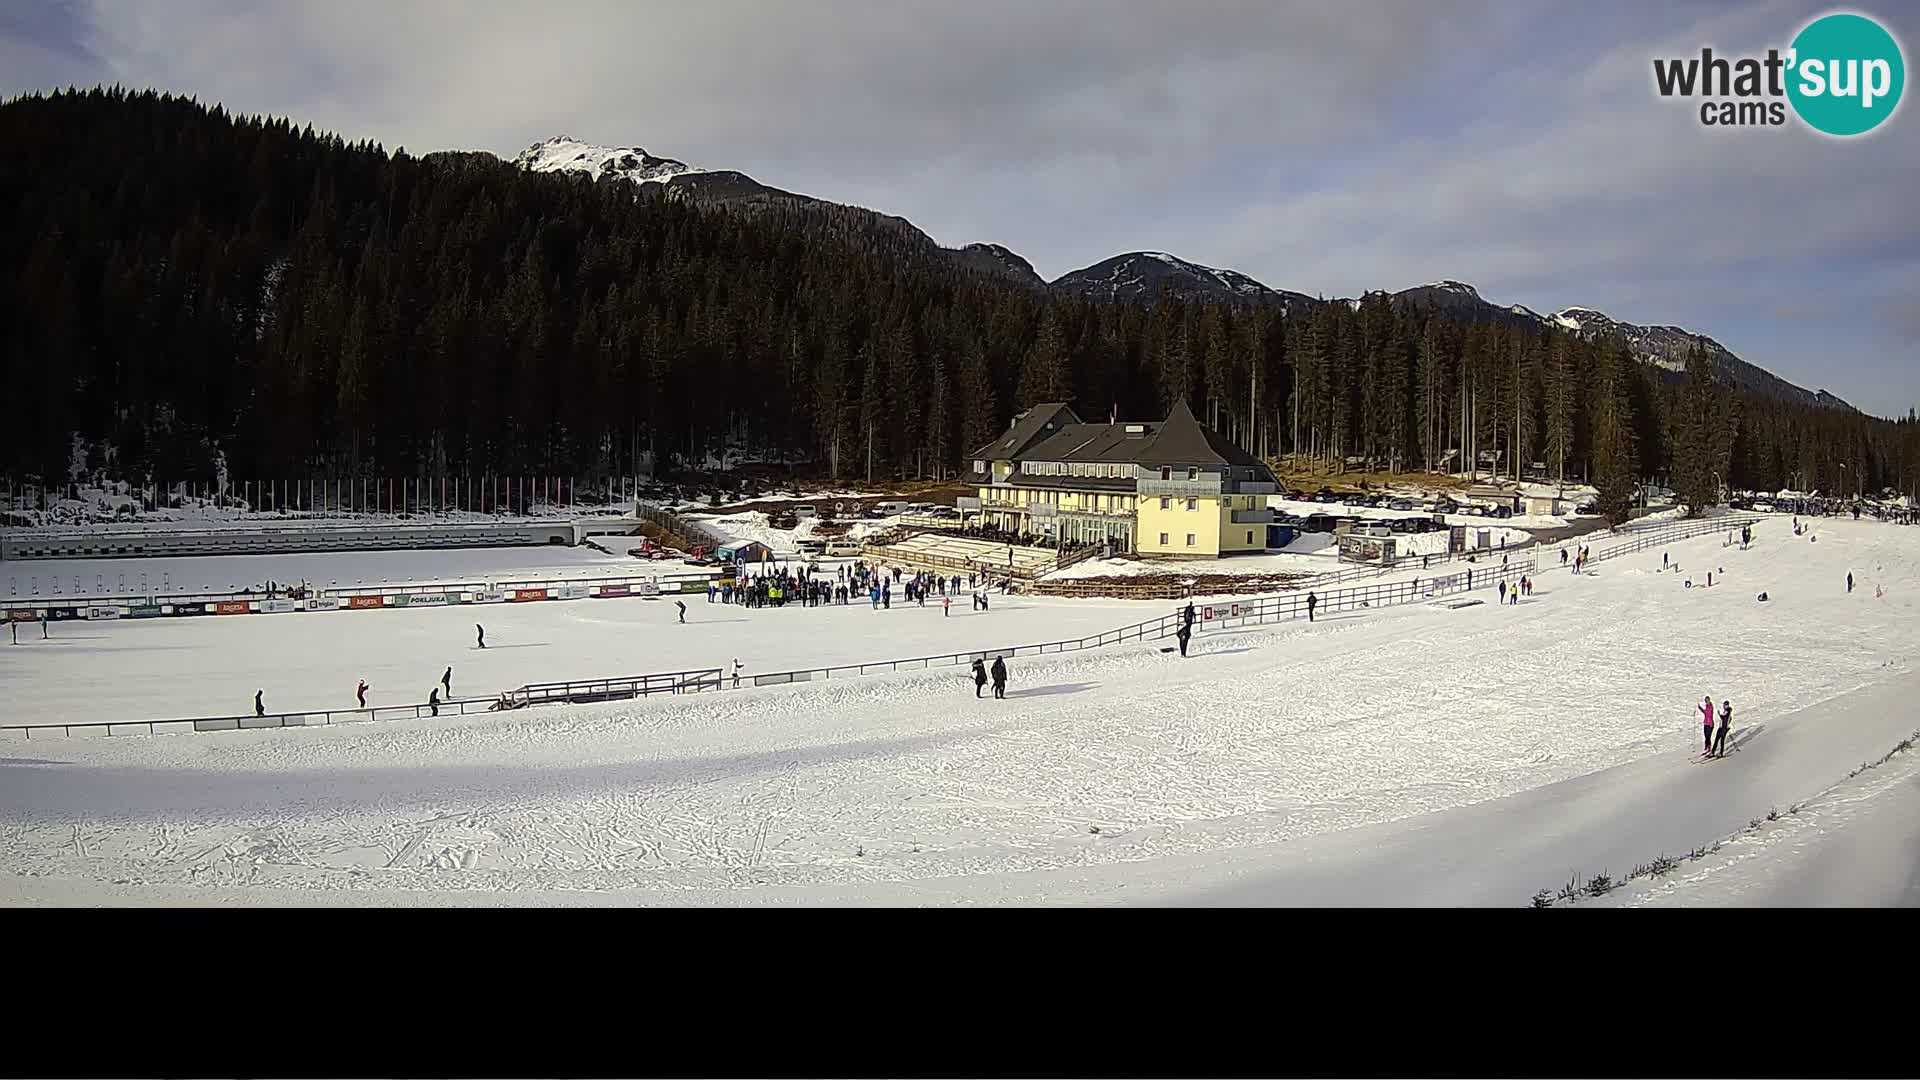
1700 440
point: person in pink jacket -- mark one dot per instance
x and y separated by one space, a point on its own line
1706 722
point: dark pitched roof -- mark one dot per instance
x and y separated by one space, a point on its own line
1183 440
1027 428
1180 440
1095 442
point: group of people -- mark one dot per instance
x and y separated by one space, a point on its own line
1512 594
1580 556
1714 744
998 673
782 586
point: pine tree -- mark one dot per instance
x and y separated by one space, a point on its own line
1613 434
1700 436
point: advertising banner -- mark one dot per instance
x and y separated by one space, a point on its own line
520 595
22 615
233 607
190 609
148 611
324 603
571 592
420 600
647 588
693 586
612 590
366 601
489 596
280 605
58 614
103 613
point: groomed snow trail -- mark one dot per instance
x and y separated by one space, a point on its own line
1119 775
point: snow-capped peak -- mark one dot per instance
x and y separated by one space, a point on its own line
563 153
1451 285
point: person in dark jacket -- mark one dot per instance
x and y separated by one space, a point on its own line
1726 721
1849 581
360 692
259 708
433 701
999 676
481 631
1186 616
446 680
1314 602
683 610
1184 634
979 675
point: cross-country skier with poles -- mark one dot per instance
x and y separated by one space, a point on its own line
1706 726
1726 721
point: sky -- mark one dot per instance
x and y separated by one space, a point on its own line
1328 147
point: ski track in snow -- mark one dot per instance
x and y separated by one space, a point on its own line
1114 756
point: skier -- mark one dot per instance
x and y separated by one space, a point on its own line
482 632
1663 560
736 672
1726 721
433 701
999 677
1186 615
683 611
979 675
983 601
446 680
1185 634
1849 582
1706 725
43 626
259 709
360 692
1314 602
1503 592
946 606
1563 556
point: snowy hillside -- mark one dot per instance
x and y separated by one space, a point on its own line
1385 764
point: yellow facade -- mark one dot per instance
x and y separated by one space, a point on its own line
1209 521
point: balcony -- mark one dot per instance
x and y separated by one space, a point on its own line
1181 488
1253 517
1256 487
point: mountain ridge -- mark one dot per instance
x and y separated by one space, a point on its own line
1140 276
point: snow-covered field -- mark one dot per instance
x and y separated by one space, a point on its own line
158 668
326 570
1399 756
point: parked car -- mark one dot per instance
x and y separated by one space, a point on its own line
1444 505
804 511
1763 507
810 546
1501 510
1320 523
1400 504
1325 495
1587 508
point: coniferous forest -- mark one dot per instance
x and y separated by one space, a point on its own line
182 286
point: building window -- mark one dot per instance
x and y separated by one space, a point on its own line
1189 539
1166 503
1193 504
1249 536
1163 539
1193 473
1166 472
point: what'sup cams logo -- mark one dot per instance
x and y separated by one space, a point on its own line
1842 75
